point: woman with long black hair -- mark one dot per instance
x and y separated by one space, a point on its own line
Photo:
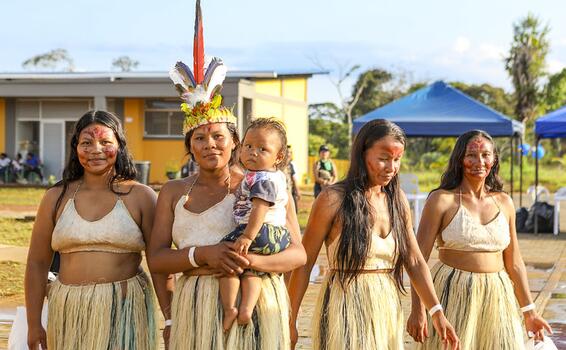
480 275
365 223
99 219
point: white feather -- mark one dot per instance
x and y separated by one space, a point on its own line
217 77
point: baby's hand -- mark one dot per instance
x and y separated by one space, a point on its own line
242 245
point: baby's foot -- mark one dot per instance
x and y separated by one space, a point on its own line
245 315
229 316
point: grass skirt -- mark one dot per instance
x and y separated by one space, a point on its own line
197 317
481 307
366 315
115 315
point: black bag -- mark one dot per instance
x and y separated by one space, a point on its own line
544 214
521 219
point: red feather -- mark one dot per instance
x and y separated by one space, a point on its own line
198 46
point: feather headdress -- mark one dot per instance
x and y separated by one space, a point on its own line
199 91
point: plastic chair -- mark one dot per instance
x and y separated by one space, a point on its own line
409 183
542 194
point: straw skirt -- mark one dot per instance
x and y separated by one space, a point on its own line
197 317
365 315
481 307
115 315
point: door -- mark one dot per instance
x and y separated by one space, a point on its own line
52 148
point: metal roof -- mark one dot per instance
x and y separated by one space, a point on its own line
141 76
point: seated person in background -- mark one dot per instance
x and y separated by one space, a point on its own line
4 167
18 166
32 165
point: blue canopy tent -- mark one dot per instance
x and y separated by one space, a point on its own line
550 126
440 110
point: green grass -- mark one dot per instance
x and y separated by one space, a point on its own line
21 196
15 231
11 279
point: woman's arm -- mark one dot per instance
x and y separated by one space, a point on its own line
515 267
321 220
290 258
429 227
419 273
164 259
39 259
162 282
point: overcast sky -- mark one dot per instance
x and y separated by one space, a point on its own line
428 40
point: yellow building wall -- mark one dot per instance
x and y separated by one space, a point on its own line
2 125
265 108
133 126
294 115
164 155
295 89
270 87
296 121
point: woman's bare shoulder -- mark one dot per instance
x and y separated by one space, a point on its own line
441 199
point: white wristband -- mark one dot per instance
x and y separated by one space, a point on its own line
192 257
529 307
168 323
434 309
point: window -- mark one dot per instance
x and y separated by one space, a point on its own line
163 118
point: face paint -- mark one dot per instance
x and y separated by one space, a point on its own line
479 157
97 148
110 151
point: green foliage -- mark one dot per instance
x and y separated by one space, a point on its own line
327 126
125 63
495 97
57 59
525 64
379 88
555 91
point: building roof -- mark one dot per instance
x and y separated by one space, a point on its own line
155 76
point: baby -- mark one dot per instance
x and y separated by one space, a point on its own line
259 212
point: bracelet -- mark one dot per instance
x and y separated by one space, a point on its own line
434 309
192 257
529 307
168 323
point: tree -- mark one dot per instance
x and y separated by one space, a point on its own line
493 96
378 87
326 126
555 91
51 60
125 63
526 64
347 103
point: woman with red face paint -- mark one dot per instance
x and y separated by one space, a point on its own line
99 219
364 222
481 277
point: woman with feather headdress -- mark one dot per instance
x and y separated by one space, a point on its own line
195 213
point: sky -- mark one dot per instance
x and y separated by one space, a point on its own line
423 40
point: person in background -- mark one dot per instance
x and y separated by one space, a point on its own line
32 165
4 167
292 181
18 167
324 170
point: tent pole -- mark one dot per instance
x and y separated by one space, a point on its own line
521 174
536 182
512 160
